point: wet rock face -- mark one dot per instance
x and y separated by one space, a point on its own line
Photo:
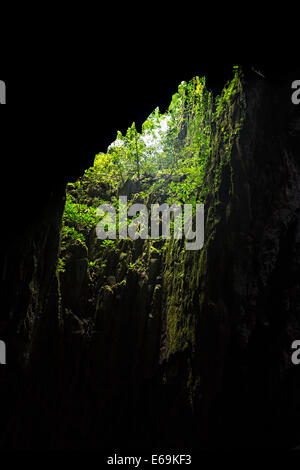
161 347
250 264
256 288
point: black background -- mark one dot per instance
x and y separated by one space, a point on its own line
66 98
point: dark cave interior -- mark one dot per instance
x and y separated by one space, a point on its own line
47 145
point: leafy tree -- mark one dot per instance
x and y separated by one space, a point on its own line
170 153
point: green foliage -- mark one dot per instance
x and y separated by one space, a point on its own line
78 221
177 142
107 242
60 265
167 158
108 167
92 264
228 93
71 233
79 216
136 266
